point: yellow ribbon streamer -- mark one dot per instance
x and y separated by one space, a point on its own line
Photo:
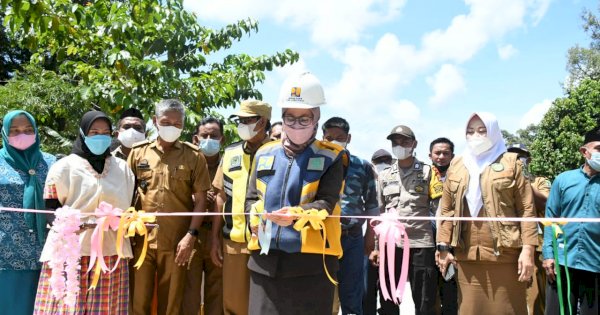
315 218
134 222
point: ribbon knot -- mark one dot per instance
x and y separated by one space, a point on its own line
391 232
313 218
134 222
107 218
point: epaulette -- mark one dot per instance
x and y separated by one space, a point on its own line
142 143
193 146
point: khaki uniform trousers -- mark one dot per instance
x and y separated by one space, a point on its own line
158 265
203 271
236 278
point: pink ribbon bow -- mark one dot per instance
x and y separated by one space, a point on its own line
107 218
391 232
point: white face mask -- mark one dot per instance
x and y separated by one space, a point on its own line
479 145
247 132
169 133
130 136
381 166
401 152
340 143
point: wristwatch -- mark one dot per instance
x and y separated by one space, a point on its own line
443 247
193 232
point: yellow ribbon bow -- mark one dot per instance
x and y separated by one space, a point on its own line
315 218
134 222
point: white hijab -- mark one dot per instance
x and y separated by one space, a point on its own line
475 164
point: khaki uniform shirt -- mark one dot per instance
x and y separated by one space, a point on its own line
166 183
407 193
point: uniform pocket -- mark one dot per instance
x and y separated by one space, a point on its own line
510 234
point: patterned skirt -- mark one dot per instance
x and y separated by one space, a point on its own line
111 296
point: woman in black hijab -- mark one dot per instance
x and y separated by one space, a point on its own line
90 146
84 180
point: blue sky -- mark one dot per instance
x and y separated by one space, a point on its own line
426 64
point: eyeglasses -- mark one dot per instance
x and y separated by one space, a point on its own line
303 121
246 120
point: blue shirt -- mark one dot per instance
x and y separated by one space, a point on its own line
575 195
360 192
19 247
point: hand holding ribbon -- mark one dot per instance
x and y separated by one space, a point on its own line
134 222
107 218
391 232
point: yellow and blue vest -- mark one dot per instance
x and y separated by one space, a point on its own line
236 164
283 181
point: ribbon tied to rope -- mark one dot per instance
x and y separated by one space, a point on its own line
107 218
391 233
134 222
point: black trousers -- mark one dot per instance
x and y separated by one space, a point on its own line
371 288
422 274
584 293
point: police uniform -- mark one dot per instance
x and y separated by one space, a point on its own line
407 193
166 182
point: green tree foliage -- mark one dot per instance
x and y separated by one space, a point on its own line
560 134
51 100
11 55
584 62
524 136
135 52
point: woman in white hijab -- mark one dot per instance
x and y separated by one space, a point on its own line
494 258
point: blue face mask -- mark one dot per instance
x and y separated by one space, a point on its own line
98 143
594 162
209 147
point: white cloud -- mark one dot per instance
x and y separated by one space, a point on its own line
507 51
330 22
540 7
535 114
371 85
446 83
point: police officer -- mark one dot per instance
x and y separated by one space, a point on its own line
171 176
405 191
231 180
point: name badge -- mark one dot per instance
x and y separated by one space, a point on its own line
316 164
265 163
236 161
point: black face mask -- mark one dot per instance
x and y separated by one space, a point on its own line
442 169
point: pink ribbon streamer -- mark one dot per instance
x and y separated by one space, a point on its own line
107 218
391 232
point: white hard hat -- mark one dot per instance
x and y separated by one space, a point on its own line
301 91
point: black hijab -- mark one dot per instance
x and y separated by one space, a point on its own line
79 147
